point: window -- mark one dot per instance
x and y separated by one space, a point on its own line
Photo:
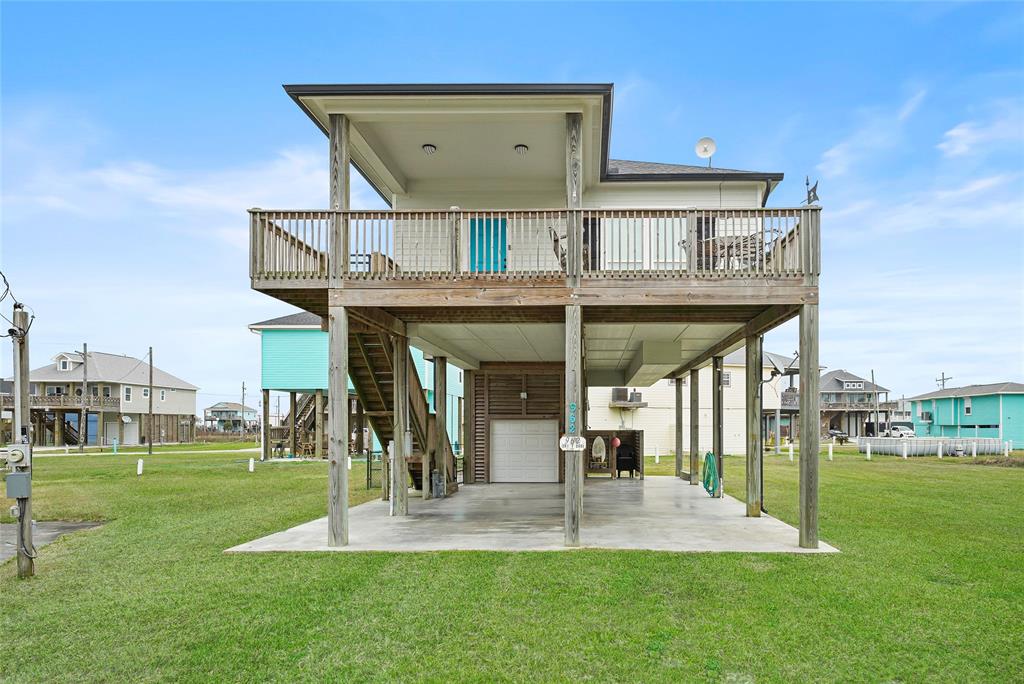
853 385
726 379
967 406
94 391
145 393
65 365
127 393
106 391
163 395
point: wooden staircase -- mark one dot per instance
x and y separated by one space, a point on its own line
370 368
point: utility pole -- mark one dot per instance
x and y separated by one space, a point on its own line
22 435
942 380
83 421
874 388
149 439
241 411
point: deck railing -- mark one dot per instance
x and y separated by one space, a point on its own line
63 401
516 244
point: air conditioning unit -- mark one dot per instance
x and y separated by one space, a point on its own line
620 394
636 397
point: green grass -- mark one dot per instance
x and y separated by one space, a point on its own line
929 587
161 448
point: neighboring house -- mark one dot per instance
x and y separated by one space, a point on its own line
230 416
515 248
995 410
655 413
293 358
850 402
116 401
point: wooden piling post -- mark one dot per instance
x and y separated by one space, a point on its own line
441 419
575 419
717 427
754 371
337 425
265 436
318 421
809 426
400 466
695 427
679 427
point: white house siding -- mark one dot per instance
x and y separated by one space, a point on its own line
177 402
421 244
658 421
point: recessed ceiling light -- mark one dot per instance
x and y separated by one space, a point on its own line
521 149
429 149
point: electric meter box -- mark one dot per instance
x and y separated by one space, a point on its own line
19 455
19 485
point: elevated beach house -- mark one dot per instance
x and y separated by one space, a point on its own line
518 250
111 392
993 410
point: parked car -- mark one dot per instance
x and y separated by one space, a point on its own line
899 431
839 436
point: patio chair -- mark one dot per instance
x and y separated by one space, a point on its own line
625 460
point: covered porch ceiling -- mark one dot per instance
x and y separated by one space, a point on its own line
616 354
473 128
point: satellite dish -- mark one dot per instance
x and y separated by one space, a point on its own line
705 148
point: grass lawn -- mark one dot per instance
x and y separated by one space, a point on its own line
929 587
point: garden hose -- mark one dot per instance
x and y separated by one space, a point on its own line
711 479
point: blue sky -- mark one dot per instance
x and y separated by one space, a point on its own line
135 136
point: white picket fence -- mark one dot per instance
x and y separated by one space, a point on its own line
929 446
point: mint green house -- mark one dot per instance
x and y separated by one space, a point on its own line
293 358
995 411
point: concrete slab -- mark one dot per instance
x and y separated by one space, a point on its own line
43 533
656 514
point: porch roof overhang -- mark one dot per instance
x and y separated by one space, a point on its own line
383 115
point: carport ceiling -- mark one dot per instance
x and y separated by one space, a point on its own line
609 346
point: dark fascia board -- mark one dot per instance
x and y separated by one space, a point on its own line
605 90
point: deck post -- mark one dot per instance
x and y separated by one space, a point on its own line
293 424
265 435
573 198
400 467
575 419
694 427
337 426
754 373
809 426
717 434
318 406
338 142
441 418
679 427
778 431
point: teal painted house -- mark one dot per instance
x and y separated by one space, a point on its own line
294 359
995 411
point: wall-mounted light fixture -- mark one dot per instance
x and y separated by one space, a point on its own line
429 149
521 149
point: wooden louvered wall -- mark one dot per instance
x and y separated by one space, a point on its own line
496 392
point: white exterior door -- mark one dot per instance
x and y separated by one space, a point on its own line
524 451
131 432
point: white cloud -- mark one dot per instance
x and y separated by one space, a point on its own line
879 130
980 137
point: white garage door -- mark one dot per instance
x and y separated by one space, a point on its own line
524 451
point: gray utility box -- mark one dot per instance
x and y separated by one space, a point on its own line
19 485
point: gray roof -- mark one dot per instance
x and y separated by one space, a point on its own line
636 170
833 382
112 368
301 318
973 391
739 358
229 406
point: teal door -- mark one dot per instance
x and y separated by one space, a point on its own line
488 248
